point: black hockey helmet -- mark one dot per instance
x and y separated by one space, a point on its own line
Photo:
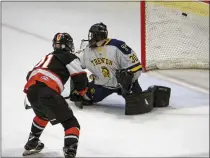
63 41
97 33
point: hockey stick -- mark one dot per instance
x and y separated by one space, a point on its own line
68 97
78 104
27 103
27 106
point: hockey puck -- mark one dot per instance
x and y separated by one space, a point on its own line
184 14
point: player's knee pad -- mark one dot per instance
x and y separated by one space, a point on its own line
56 106
59 116
71 122
41 114
139 103
161 95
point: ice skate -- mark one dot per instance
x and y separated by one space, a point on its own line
33 146
70 151
87 102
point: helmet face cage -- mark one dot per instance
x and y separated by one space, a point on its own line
63 41
97 33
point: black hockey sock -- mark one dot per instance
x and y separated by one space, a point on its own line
38 126
72 131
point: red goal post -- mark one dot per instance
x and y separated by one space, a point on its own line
174 35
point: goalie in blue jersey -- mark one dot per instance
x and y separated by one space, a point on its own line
115 68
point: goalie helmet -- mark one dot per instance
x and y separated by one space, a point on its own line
97 33
63 41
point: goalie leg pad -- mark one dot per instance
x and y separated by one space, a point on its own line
139 103
161 95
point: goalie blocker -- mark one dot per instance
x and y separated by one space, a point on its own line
144 102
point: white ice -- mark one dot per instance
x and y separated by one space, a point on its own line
182 129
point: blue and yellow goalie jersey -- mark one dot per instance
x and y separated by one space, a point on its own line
103 62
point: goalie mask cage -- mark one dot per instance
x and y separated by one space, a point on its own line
174 35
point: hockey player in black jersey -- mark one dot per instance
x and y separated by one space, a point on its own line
43 89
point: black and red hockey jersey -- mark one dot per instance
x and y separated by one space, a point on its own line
55 69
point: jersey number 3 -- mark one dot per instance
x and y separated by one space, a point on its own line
133 58
45 61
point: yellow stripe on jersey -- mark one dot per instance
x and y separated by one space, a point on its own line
136 68
108 40
101 49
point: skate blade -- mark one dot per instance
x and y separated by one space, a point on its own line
30 152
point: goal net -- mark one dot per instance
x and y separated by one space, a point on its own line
174 35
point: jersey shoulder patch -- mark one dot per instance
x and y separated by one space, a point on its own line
121 45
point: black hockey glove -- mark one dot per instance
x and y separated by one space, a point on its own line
76 96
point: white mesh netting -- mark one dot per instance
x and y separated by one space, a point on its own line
174 40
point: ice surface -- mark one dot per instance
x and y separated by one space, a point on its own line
179 130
